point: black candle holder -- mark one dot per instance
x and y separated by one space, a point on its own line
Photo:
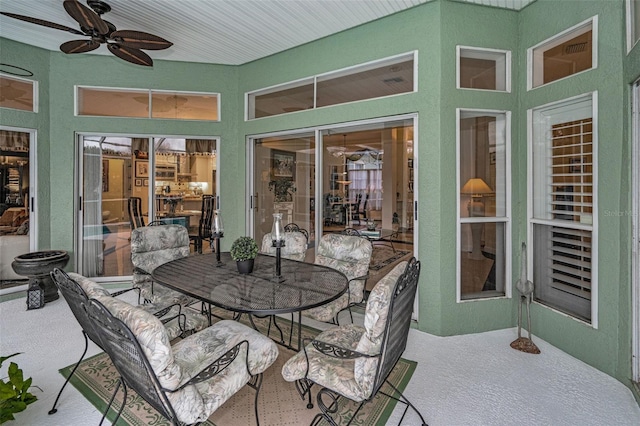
278 244
216 236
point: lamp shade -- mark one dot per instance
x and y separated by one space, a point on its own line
476 187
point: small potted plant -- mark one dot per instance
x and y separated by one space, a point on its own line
244 250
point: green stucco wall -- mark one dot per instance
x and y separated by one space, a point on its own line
607 347
434 30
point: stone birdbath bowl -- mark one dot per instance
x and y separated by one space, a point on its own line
37 265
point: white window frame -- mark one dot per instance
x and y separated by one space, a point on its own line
250 96
34 87
568 34
635 240
593 227
149 93
633 32
501 57
506 219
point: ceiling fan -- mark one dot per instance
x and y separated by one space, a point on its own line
124 44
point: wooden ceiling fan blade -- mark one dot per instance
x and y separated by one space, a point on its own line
79 46
135 56
42 22
140 40
86 17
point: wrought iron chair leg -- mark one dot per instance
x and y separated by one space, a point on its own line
403 399
124 401
86 346
256 383
113 396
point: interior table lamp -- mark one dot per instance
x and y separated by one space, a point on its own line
277 241
217 232
477 188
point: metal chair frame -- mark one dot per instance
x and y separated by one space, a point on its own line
394 343
76 299
136 373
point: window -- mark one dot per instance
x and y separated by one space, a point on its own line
633 23
563 55
483 218
18 93
486 69
143 103
386 77
563 174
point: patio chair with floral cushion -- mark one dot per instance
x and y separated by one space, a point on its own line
295 246
77 290
351 256
189 380
354 362
152 246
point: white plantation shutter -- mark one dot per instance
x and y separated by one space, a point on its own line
563 176
571 171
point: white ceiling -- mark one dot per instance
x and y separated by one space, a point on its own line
215 31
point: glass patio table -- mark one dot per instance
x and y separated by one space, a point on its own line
303 285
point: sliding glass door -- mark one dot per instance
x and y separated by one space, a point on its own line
284 173
360 176
167 177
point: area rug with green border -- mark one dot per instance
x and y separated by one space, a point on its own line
279 402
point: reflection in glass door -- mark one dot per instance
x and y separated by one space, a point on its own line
365 181
284 182
167 179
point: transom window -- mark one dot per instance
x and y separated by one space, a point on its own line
144 103
18 93
565 54
386 77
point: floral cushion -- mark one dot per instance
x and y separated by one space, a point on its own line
375 321
295 246
155 343
176 365
353 378
332 373
151 247
197 351
192 320
350 255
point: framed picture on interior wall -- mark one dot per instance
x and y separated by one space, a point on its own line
145 182
283 164
138 182
105 175
142 169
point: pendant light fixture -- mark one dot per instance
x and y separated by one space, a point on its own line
344 180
